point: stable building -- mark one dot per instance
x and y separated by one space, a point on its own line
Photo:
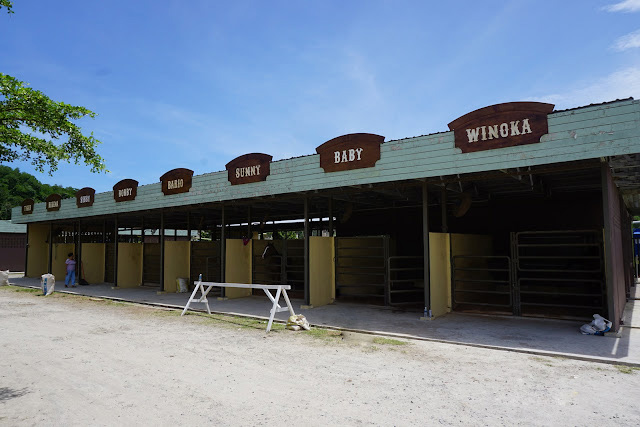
518 209
13 239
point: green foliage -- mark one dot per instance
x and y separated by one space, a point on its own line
7 4
15 186
31 124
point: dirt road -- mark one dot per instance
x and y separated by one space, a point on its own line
69 360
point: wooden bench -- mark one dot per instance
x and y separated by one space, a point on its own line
205 287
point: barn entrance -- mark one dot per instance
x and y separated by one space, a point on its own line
361 269
277 262
547 274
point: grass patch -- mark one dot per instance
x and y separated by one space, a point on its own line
544 360
21 289
626 369
324 334
236 321
388 341
161 312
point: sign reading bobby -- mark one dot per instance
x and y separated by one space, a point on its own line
501 125
125 190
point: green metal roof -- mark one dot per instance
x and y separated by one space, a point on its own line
7 226
591 132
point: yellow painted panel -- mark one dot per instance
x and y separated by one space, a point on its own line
58 266
440 273
322 286
238 267
176 263
38 255
129 265
93 262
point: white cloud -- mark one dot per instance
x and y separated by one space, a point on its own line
618 85
628 41
624 6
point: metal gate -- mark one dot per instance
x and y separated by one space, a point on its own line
559 273
361 269
405 281
151 265
205 260
556 274
283 263
482 284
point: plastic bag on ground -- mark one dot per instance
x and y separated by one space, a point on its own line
598 326
297 322
4 278
182 286
47 283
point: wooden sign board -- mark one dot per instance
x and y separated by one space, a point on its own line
85 197
176 181
501 125
125 190
53 202
27 206
252 167
352 151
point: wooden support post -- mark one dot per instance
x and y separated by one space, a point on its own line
115 252
190 243
162 251
443 203
330 216
49 266
104 243
143 246
249 236
223 249
609 241
425 244
307 294
26 252
79 253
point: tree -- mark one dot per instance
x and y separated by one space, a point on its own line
7 4
31 125
15 186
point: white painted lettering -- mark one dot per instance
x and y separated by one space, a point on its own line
85 199
504 130
52 204
350 155
175 183
27 208
514 128
472 134
125 192
493 131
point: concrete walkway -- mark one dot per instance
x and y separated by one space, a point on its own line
528 335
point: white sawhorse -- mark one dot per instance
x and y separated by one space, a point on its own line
281 290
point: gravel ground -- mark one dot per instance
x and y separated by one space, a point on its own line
70 360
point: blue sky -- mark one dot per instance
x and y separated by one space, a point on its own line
197 83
